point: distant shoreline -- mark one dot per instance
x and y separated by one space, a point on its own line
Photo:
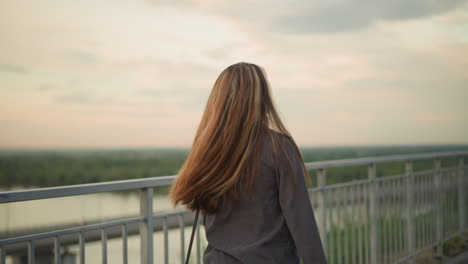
48 168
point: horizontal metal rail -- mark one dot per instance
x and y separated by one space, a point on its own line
85 228
383 159
72 230
81 189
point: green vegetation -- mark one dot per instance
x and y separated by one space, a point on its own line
54 167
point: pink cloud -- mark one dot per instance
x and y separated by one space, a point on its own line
435 118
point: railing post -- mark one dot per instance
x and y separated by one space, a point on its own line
31 252
124 244
374 221
321 201
411 231
197 234
146 227
182 238
461 193
82 247
3 255
438 200
104 245
57 251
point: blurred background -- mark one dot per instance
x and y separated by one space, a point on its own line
127 81
94 91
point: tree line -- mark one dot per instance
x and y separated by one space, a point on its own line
55 168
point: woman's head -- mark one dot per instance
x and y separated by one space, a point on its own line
226 147
239 101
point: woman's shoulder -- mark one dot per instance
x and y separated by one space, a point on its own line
275 139
275 144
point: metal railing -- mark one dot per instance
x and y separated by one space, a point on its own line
378 219
390 218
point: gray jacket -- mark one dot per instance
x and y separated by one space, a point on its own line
275 226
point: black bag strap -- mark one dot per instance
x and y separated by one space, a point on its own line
195 223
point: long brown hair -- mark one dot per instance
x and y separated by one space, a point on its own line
226 149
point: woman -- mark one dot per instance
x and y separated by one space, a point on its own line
246 175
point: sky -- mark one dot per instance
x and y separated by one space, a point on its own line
137 74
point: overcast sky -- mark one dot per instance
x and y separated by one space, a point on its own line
134 73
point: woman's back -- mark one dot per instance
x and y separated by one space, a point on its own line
275 224
247 177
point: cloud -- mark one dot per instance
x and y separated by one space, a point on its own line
170 3
46 86
217 53
82 57
435 118
75 98
351 15
9 68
